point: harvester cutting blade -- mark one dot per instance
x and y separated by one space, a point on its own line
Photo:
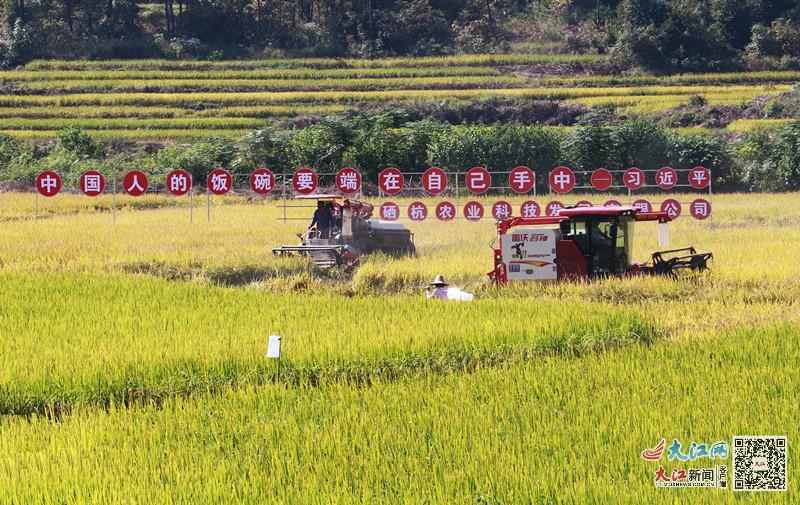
686 259
321 255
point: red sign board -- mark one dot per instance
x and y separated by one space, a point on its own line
417 211
700 208
434 181
530 209
562 180
643 205
502 210
445 211
390 211
699 177
135 183
391 181
478 180
304 181
262 181
612 203
672 207
92 183
633 178
522 179
553 208
48 183
602 179
666 178
348 180
584 203
219 181
179 182
473 211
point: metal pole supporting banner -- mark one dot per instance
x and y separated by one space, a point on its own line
37 204
710 204
191 210
283 185
114 200
208 203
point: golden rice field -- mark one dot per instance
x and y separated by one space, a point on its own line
134 371
134 99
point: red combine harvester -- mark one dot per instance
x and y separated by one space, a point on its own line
353 233
584 242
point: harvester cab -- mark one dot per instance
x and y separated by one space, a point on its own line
352 234
584 242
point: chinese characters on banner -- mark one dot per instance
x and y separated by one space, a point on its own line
435 182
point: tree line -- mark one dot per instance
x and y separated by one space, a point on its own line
762 161
661 35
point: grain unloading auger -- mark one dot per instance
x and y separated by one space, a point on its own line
584 242
352 234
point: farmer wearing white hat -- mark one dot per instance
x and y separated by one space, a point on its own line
437 288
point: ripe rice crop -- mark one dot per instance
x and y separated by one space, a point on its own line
142 344
255 98
744 125
275 73
214 123
320 63
183 85
553 430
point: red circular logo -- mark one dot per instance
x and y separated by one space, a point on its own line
612 203
304 181
473 211
562 180
553 208
417 211
348 180
502 210
434 181
92 183
391 181
445 211
666 178
530 209
48 183
700 208
602 179
478 180
219 181
699 177
262 181
135 183
179 182
584 203
672 207
522 179
633 178
390 211
643 205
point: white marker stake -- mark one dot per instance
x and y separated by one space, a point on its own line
274 351
274 347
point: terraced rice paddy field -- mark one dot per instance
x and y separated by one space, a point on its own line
134 362
174 100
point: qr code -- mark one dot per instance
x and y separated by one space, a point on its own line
759 463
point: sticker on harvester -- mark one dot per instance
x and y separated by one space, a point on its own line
529 254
